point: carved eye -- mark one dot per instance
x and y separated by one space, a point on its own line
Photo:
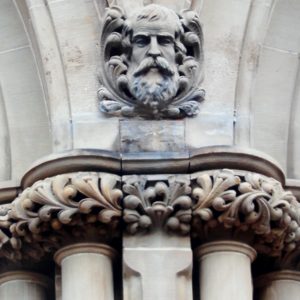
165 40
141 40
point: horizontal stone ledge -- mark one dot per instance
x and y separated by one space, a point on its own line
9 190
228 157
202 159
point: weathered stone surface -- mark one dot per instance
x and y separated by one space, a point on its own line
152 136
268 113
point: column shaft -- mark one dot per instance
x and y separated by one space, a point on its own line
86 271
225 271
23 286
282 285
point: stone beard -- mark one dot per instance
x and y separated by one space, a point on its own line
154 87
152 70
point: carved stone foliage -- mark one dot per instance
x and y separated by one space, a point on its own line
157 205
247 203
56 209
151 63
87 206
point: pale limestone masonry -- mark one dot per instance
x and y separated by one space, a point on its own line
101 207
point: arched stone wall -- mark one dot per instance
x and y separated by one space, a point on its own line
251 67
24 123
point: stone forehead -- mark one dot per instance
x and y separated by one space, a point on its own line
154 28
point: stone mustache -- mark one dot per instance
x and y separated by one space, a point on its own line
152 63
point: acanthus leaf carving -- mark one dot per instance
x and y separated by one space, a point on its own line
56 209
160 205
88 205
249 202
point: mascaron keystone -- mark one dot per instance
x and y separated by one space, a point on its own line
152 63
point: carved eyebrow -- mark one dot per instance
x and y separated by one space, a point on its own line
142 34
147 34
166 34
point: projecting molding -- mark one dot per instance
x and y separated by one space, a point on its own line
87 206
151 63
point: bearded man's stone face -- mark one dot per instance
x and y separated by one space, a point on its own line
152 70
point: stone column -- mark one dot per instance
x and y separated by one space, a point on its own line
281 285
244 206
225 270
86 271
23 285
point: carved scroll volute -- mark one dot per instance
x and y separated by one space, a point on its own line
139 81
162 205
62 209
247 203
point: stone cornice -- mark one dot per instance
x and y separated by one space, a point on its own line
206 158
8 191
72 161
60 204
220 157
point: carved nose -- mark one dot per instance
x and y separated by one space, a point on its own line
154 48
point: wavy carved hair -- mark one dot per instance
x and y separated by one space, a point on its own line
152 13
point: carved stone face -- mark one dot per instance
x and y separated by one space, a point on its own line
152 41
151 63
152 69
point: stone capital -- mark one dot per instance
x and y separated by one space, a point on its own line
245 206
84 248
225 246
60 210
